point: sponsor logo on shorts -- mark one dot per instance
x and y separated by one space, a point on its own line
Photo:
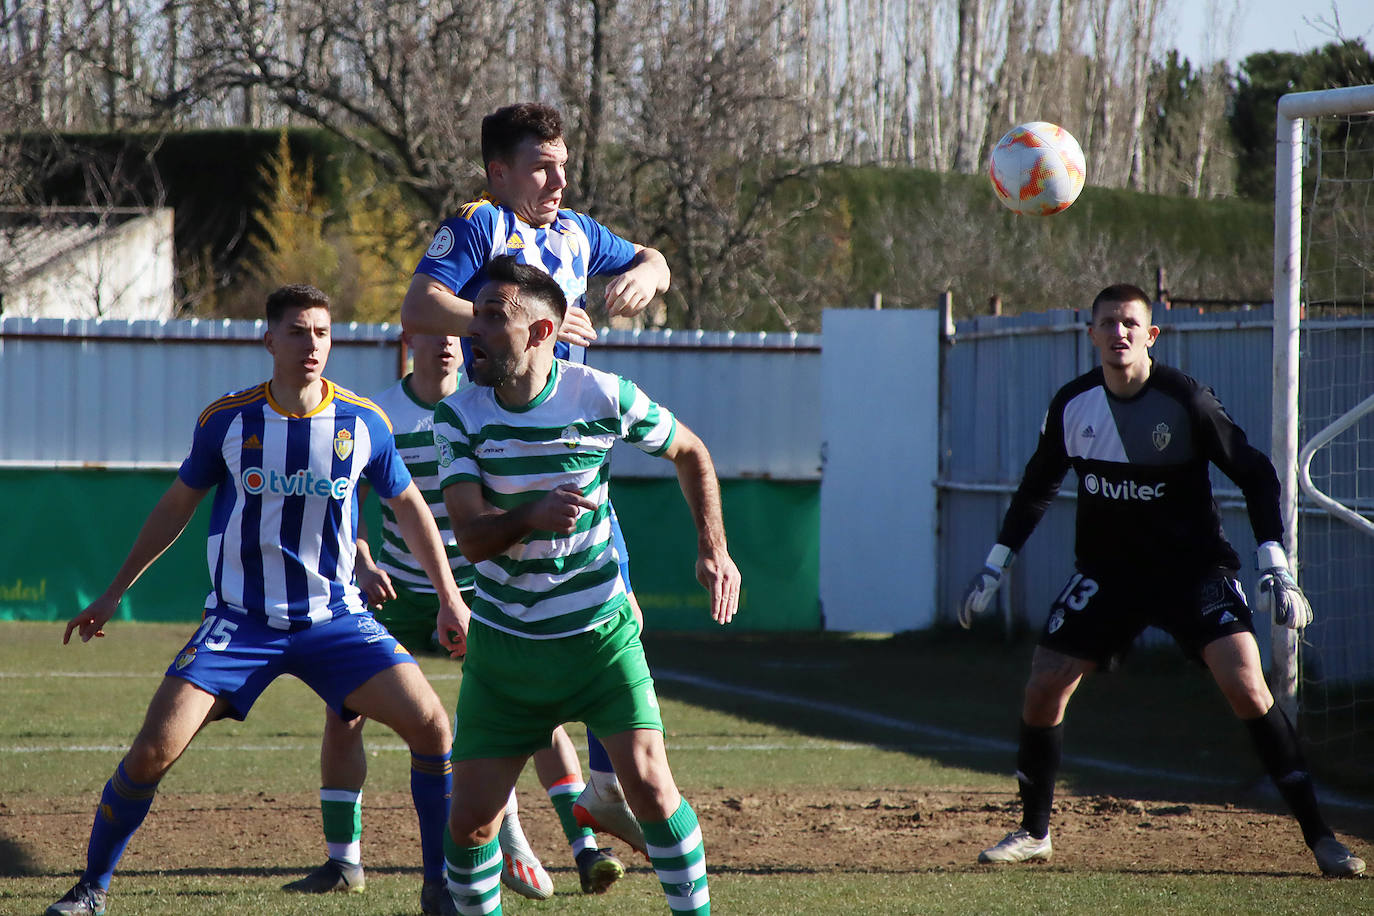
1122 490
301 483
1218 596
185 658
371 629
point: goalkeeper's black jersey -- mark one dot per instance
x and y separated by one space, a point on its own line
1144 498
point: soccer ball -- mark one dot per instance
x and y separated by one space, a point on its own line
1037 168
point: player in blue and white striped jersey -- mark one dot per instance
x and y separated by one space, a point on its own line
521 215
285 459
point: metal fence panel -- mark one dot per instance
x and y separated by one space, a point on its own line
127 392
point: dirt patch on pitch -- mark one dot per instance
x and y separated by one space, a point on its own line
884 830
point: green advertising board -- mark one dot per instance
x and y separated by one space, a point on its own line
67 532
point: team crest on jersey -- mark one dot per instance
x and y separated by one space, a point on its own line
1161 437
185 658
445 449
442 244
343 444
515 241
569 437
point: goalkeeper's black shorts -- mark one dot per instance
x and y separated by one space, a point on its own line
1098 618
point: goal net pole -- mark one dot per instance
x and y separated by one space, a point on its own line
1293 108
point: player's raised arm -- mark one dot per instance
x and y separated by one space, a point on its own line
696 474
161 529
646 277
430 307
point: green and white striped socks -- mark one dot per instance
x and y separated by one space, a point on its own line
474 876
679 860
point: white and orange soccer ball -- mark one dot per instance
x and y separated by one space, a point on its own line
1037 168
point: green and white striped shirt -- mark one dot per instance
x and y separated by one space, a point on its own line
413 422
549 585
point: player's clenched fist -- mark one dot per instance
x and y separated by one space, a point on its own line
557 510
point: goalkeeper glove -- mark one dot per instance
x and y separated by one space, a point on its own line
1278 593
981 590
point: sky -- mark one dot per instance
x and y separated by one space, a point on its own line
1265 25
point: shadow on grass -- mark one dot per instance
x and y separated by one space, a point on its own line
15 860
1156 729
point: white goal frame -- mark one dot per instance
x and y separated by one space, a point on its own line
1293 109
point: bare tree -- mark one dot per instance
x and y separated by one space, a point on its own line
720 133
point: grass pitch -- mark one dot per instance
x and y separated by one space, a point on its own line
922 726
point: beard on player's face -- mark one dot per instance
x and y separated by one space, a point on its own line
494 371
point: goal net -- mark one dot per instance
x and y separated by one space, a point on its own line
1323 436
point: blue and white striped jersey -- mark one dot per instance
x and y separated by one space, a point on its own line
285 513
570 249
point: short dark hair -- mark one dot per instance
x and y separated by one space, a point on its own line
294 296
506 128
536 287
1123 292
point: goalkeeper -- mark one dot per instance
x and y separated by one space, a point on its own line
1149 552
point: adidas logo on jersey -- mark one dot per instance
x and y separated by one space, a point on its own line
1088 432
515 241
252 442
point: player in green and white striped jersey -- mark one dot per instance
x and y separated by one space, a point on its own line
412 418
522 462
403 599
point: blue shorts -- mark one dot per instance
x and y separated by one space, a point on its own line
622 552
235 657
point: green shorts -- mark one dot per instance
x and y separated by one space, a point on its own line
516 691
410 618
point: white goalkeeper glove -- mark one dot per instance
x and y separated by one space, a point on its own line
1278 594
983 588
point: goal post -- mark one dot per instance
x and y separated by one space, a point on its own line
1295 112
